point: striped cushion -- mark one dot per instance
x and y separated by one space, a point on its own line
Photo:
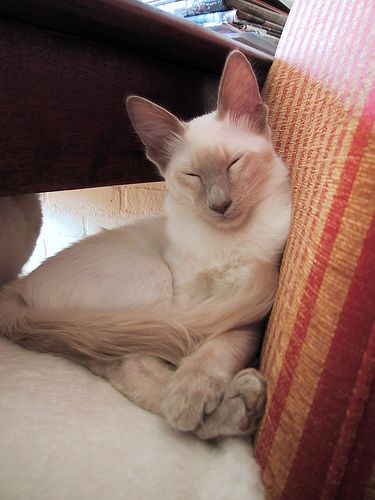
317 438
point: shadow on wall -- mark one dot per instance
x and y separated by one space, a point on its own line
69 216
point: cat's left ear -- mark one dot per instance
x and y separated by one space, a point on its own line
239 95
157 128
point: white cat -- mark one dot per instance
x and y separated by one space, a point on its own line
20 223
188 288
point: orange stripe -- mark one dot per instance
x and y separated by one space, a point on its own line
307 218
310 295
346 325
306 214
342 392
276 405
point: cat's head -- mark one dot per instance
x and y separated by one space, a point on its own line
217 166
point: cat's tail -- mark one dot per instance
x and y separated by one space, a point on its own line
90 337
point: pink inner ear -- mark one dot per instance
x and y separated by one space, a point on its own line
156 128
239 92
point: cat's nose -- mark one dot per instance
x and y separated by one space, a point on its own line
221 207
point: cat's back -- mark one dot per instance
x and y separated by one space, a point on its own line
116 268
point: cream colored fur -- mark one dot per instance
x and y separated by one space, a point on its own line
67 435
188 288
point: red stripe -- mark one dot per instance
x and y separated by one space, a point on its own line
315 279
362 457
342 392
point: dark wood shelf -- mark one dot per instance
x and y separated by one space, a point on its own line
66 68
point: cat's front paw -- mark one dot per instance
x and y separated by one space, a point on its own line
191 396
241 409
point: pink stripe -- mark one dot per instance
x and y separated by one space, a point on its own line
297 20
359 72
303 30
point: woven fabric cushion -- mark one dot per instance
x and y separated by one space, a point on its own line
317 438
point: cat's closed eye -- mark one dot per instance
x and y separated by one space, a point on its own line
191 174
234 162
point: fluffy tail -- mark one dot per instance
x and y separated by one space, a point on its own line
89 337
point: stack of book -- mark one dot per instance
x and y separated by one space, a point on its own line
258 23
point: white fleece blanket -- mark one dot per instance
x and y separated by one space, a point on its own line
66 434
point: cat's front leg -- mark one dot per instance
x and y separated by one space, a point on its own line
192 393
199 384
140 378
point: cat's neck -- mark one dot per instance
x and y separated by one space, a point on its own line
191 234
261 236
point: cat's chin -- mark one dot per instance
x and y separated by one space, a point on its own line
230 221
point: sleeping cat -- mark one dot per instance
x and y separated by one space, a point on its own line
188 288
20 223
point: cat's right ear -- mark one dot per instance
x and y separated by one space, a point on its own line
239 96
157 128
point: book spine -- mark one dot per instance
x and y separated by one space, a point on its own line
261 32
255 10
243 16
195 7
268 6
271 38
187 8
158 3
176 8
213 17
281 5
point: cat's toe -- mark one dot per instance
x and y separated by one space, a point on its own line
250 386
241 409
187 402
181 414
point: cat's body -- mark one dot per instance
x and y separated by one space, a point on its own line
142 279
20 223
188 287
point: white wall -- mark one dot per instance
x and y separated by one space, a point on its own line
71 215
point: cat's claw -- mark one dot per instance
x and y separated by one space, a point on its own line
241 409
189 398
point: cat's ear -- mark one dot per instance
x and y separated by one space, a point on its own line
239 95
157 128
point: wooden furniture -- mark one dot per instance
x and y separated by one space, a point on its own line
66 68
